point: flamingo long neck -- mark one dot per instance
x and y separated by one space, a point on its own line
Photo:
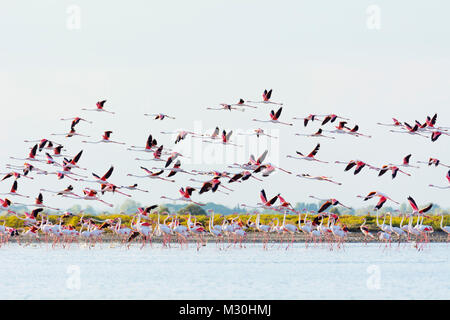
189 221
401 222
410 222
284 218
442 220
390 224
377 220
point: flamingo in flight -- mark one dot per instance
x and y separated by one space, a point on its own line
16 175
149 145
252 164
72 163
341 128
151 174
99 107
109 187
416 209
38 202
133 187
405 163
44 144
436 134
145 211
410 130
57 151
92 195
186 194
386 168
174 155
214 135
285 206
224 106
382 198
13 191
156 155
30 218
66 191
274 116
332 118
267 168
26 169
226 139
70 134
309 157
231 106
105 139
104 178
212 185
395 123
434 161
31 155
318 133
213 173
175 169
66 172
51 161
257 132
443 187
75 121
319 178
358 164
242 176
159 116
181 135
242 103
328 203
307 119
5 203
431 121
265 203
266 98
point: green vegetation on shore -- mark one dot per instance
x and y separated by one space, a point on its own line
351 221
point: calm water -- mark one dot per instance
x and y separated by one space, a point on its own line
358 272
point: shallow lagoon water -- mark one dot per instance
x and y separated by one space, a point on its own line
358 272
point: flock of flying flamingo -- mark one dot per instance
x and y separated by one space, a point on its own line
46 157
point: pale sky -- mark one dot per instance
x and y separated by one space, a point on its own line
178 57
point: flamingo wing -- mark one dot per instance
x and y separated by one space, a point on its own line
108 174
314 152
263 196
413 204
262 156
